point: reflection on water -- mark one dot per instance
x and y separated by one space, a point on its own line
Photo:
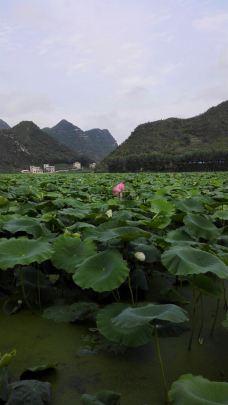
135 374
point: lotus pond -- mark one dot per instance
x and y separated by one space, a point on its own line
114 299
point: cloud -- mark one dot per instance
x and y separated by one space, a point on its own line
223 60
215 22
15 104
135 84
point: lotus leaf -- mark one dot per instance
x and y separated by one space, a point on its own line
101 398
192 204
37 371
4 384
179 236
132 337
225 323
200 226
207 285
139 280
69 252
183 261
3 201
29 392
162 206
23 251
197 390
29 225
222 214
104 271
80 311
126 233
135 316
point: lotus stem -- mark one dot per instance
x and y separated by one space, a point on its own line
224 296
202 317
215 318
115 296
195 300
164 379
38 287
131 291
23 290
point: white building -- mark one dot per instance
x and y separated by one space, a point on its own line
92 165
48 168
77 165
35 169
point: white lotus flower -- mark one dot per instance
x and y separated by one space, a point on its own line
140 256
109 213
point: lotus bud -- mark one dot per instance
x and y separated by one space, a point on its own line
6 359
109 213
72 235
140 256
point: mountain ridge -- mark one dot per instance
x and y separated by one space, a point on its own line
26 144
174 142
4 125
96 143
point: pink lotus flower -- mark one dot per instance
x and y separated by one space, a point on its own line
118 189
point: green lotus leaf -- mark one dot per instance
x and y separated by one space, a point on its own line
29 392
197 390
179 236
101 398
225 323
37 371
222 214
201 227
29 225
80 311
192 204
126 233
3 201
160 221
207 285
4 380
23 251
78 213
183 261
104 271
162 206
139 279
141 315
70 252
132 337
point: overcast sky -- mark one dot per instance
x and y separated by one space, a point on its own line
111 63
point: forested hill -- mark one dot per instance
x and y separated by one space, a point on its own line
198 142
26 144
95 143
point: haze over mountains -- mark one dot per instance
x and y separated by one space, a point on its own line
26 144
175 143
